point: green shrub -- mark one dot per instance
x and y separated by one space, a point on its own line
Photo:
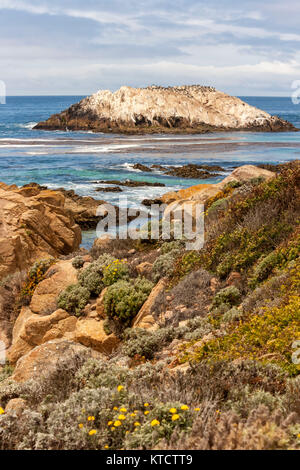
164 265
114 272
146 343
92 277
171 246
123 300
104 260
35 275
232 315
73 299
220 204
233 184
5 372
78 262
225 267
220 310
264 268
229 295
257 180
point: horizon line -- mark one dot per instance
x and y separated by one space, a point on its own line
84 94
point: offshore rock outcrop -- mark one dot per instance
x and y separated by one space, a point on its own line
182 109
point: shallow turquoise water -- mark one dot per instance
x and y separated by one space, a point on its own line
75 160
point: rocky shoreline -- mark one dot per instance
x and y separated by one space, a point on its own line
181 110
134 328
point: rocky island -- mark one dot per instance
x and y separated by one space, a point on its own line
155 109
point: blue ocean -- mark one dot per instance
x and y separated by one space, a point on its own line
76 160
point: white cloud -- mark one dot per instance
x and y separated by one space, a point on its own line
233 48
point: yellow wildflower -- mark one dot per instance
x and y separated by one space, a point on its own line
184 407
155 422
109 423
137 423
106 447
173 410
115 408
146 404
121 417
133 415
123 410
91 418
175 417
92 432
197 409
146 412
117 423
80 425
120 388
113 428
1 411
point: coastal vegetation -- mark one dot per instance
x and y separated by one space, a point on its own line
174 349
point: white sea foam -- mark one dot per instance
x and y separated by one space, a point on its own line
101 148
28 125
129 167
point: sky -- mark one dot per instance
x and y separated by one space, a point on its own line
76 47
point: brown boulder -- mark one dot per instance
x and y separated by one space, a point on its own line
234 279
145 268
100 304
144 318
16 406
247 173
32 330
203 192
43 360
58 277
90 332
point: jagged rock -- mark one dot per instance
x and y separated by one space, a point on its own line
157 109
58 277
234 279
145 268
16 406
82 208
190 171
90 332
110 189
144 318
247 173
139 166
43 360
187 193
33 227
130 183
100 304
202 192
150 202
32 330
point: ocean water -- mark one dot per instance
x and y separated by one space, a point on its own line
75 160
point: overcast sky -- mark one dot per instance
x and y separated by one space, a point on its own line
76 47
